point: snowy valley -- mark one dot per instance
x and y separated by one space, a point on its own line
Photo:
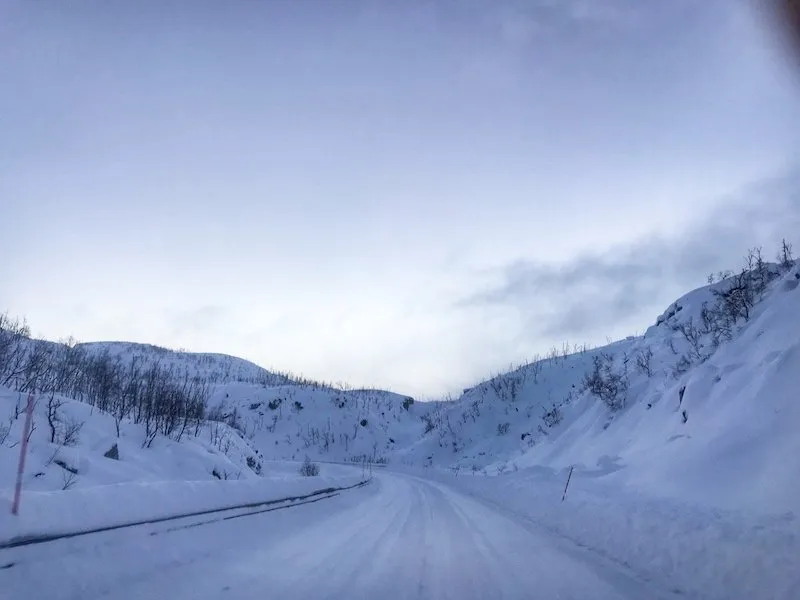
679 446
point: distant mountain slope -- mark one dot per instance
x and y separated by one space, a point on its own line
293 421
217 368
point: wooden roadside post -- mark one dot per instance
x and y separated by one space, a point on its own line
566 486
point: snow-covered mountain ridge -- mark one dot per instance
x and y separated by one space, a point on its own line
700 406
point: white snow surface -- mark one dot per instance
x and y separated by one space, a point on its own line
696 551
56 513
399 537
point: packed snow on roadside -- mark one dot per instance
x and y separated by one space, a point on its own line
79 485
700 551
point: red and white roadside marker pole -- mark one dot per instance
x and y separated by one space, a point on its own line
23 450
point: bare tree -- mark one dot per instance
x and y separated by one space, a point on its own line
309 469
605 383
785 258
693 337
14 338
535 367
53 417
5 430
553 416
72 431
68 478
644 359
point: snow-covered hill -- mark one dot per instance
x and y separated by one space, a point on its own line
216 368
701 407
292 421
681 444
83 448
698 407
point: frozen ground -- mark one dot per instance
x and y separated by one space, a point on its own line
687 547
399 537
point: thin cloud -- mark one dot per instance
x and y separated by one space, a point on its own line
593 295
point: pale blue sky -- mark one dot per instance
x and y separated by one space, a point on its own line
407 194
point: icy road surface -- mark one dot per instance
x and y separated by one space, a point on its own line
399 537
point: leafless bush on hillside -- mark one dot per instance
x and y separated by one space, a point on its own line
53 417
254 465
761 274
63 431
428 420
309 469
553 416
68 479
5 430
553 355
785 258
644 360
716 323
503 428
681 367
693 337
535 367
605 383
736 300
71 432
53 456
14 337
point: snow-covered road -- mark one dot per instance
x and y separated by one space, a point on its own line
399 537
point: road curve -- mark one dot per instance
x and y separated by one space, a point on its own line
399 538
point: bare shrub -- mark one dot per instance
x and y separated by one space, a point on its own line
605 383
503 428
785 258
736 300
429 425
683 365
309 469
644 359
68 479
254 465
71 432
694 337
552 417
53 416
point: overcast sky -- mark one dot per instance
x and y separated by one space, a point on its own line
409 194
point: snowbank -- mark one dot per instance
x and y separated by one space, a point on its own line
62 512
686 547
